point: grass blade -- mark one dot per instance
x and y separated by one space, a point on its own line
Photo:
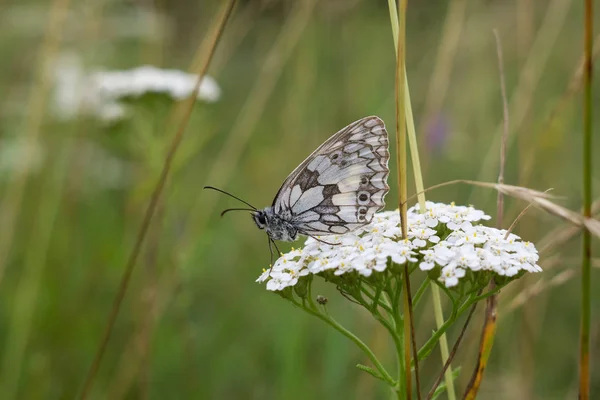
212 40
586 250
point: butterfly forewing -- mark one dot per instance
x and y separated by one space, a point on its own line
341 185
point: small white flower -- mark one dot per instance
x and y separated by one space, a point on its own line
431 215
442 254
281 280
474 215
455 221
471 236
487 261
422 235
264 276
450 275
343 267
428 260
467 258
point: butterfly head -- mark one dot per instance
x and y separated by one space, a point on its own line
277 226
260 219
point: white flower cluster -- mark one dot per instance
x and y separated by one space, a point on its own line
147 79
98 93
465 247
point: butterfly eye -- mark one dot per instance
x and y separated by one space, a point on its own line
260 220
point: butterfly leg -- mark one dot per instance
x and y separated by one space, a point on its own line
270 251
277 248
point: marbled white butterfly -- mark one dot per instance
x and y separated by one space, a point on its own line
336 190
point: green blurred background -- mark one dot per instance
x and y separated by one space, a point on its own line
194 324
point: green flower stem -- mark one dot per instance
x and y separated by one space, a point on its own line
376 300
428 346
399 342
387 325
483 296
456 312
439 321
395 295
380 318
447 291
313 310
420 292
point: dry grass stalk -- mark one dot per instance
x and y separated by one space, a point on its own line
208 48
560 235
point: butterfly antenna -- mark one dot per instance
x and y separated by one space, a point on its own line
230 195
236 209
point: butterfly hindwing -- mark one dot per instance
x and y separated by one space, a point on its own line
341 185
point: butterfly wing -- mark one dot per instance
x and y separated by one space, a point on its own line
341 185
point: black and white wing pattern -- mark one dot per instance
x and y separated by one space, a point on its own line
341 185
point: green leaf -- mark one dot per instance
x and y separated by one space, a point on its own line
371 371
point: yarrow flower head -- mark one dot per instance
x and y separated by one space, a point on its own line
148 79
99 93
446 241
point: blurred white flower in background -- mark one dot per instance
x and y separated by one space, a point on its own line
97 94
147 79
465 248
74 94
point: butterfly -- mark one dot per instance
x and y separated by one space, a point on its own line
336 190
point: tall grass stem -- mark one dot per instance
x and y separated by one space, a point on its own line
488 332
586 256
410 121
402 188
521 99
437 302
249 116
208 46
36 108
19 328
